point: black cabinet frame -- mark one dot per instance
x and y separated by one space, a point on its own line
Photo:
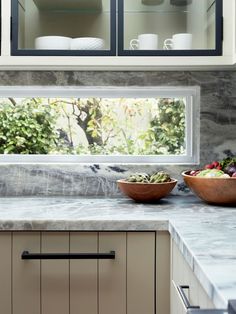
15 51
188 53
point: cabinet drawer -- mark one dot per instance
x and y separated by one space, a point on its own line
56 279
182 275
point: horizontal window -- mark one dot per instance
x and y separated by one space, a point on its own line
99 125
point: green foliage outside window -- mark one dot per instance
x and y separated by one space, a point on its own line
27 129
92 126
168 128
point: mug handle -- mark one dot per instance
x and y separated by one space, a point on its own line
134 44
168 44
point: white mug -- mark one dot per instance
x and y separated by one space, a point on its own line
145 42
179 42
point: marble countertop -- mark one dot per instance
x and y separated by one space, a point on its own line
206 235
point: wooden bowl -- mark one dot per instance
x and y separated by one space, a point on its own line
221 191
146 192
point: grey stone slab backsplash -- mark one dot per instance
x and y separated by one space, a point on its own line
218 132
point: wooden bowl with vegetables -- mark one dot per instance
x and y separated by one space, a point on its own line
145 188
216 183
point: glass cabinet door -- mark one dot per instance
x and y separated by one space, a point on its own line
63 27
170 27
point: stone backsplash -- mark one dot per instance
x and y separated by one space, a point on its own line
218 132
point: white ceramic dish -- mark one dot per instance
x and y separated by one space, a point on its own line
87 43
53 42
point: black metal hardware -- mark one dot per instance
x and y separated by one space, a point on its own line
222 28
171 53
15 51
184 297
48 256
11 29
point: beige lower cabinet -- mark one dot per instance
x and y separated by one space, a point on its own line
124 285
144 276
184 285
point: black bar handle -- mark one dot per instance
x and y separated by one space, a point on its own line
28 256
184 297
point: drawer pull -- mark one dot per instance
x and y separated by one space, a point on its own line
184 297
27 256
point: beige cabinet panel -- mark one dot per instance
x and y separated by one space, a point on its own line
83 274
25 274
5 273
55 274
141 273
163 252
112 274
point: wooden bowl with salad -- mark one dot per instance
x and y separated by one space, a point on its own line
216 183
145 188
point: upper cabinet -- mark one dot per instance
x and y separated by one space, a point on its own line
117 34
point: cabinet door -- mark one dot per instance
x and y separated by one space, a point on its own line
45 283
88 28
170 28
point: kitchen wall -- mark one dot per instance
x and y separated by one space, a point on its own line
218 132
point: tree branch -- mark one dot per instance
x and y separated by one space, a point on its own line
34 100
12 100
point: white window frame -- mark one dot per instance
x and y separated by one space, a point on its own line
192 95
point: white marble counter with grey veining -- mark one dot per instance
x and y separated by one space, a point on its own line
205 234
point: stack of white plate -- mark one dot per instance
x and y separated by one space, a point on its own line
87 43
67 43
53 42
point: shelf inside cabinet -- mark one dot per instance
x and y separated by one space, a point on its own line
67 5
152 2
156 12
